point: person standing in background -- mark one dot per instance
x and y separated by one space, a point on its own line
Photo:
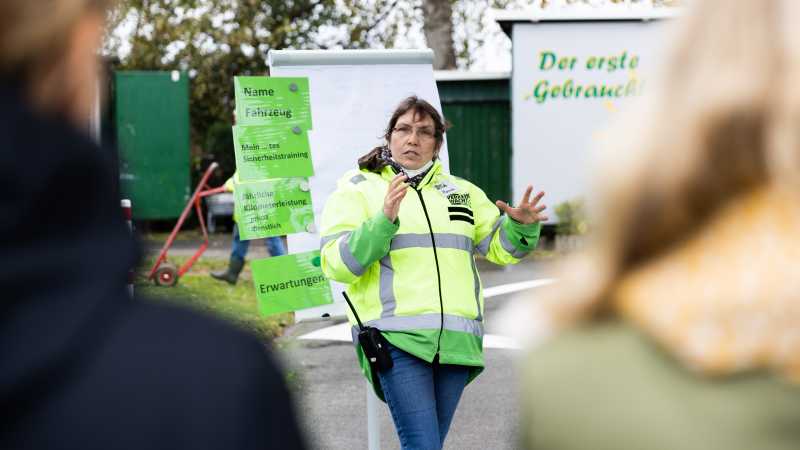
680 325
83 365
239 247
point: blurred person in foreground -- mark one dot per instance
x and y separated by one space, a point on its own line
82 365
688 297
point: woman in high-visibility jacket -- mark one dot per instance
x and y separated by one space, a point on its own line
402 233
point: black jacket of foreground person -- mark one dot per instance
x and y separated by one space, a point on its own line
83 366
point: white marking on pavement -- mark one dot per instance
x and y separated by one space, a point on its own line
497 341
341 332
515 287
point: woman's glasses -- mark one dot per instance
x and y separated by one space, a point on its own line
423 133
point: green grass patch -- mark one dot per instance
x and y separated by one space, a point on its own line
197 290
183 235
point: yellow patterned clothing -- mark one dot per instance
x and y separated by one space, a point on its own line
703 353
727 300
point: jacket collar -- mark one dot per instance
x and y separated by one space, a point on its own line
387 173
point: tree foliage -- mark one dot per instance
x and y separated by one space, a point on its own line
215 40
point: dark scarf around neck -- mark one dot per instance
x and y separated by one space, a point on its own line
386 156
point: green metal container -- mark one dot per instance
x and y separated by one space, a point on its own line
152 121
479 142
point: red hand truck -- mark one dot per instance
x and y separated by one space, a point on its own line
165 274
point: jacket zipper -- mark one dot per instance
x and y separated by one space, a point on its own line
438 275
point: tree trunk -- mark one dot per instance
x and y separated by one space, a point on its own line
438 29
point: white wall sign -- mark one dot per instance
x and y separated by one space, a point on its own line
570 77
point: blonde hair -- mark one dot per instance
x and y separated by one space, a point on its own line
722 121
34 41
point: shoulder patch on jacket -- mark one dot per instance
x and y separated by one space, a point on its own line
358 179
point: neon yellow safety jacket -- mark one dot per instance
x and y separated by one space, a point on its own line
230 186
416 279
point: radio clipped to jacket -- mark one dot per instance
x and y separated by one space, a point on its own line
372 342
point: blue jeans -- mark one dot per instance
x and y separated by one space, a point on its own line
274 245
422 398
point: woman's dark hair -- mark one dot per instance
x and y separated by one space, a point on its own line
373 162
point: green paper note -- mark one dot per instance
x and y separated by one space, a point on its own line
271 152
291 282
273 207
276 101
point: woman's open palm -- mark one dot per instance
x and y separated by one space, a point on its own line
528 211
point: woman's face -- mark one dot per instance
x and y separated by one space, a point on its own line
413 141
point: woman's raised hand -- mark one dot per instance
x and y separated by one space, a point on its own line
527 211
394 195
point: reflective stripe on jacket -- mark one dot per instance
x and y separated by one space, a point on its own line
416 279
